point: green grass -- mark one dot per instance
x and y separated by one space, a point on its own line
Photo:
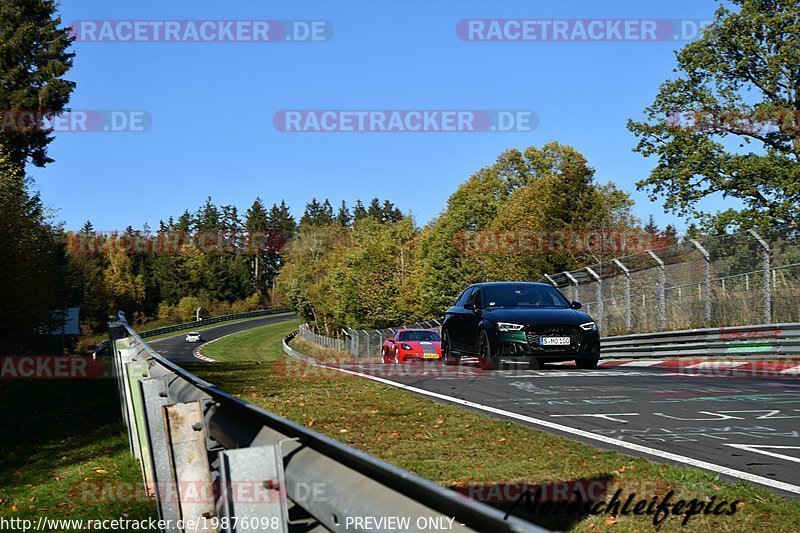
456 447
64 453
201 328
257 344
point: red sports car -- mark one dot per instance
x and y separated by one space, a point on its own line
412 345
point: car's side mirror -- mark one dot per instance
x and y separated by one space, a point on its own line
576 304
390 339
469 306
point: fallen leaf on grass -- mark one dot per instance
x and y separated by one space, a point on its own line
501 439
611 521
343 430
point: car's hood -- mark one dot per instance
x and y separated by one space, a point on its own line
544 315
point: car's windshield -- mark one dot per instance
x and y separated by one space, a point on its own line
523 295
419 336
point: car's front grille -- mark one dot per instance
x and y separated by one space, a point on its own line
535 333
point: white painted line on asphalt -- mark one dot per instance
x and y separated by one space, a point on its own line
682 459
642 363
759 448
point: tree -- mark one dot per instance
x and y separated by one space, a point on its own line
317 214
359 211
32 261
282 221
343 217
730 123
375 210
651 226
33 63
257 224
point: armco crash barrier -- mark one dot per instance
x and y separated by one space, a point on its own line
193 439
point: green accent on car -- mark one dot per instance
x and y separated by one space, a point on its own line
512 336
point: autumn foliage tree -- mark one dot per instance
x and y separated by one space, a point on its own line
729 124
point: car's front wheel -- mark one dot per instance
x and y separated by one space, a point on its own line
447 356
587 363
485 359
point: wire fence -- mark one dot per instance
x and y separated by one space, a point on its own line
363 342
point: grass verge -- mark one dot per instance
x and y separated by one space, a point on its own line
458 448
64 453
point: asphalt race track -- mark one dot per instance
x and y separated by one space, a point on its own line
178 350
740 426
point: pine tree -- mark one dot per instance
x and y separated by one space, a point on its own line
343 217
375 210
651 227
34 62
359 212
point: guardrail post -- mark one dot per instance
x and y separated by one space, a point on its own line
189 460
706 279
660 290
598 295
154 395
628 314
767 287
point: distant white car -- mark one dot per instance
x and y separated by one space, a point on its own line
193 336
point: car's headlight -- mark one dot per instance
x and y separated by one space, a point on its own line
405 346
589 326
507 326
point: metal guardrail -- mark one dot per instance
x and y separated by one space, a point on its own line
207 321
258 471
773 340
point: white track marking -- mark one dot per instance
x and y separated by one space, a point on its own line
718 364
681 459
759 449
794 370
606 416
641 363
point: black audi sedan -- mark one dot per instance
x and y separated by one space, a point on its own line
518 322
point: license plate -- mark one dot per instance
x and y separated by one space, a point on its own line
554 341
431 356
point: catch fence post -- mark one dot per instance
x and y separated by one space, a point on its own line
628 314
660 291
767 286
706 279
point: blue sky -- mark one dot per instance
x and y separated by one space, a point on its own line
212 105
